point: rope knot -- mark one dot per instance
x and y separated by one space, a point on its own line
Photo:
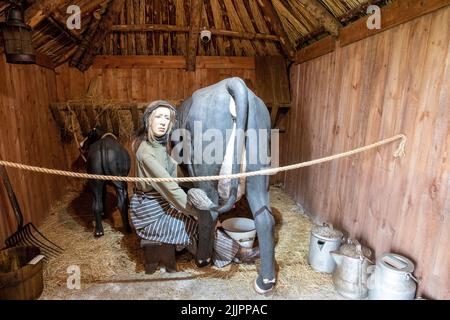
400 151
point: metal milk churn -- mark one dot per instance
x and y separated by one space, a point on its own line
392 279
350 275
323 239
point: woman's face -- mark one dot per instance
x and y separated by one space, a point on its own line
161 121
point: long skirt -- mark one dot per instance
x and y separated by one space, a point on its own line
156 219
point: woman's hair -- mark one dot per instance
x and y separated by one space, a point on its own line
145 132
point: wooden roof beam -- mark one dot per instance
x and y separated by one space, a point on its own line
41 9
181 29
104 27
318 11
85 42
195 16
272 18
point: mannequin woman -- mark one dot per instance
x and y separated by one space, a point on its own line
160 211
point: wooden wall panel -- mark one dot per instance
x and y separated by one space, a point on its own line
143 84
394 82
28 135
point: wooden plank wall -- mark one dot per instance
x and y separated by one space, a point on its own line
28 135
395 82
140 84
143 84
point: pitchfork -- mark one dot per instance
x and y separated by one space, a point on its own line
28 234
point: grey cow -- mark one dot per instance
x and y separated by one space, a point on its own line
209 109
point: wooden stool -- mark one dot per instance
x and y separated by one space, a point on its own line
157 252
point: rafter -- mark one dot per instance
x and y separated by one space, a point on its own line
318 11
181 29
104 27
194 24
272 18
40 10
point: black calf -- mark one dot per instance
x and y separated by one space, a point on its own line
106 156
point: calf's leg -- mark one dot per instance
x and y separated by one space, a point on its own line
97 189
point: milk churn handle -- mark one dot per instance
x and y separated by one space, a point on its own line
358 247
412 277
329 225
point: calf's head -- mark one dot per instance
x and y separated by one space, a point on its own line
94 135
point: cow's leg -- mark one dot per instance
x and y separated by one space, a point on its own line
122 203
258 199
206 227
97 189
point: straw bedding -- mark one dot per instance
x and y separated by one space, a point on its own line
112 266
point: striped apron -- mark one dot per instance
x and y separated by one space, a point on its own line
156 219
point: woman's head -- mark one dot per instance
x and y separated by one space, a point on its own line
158 120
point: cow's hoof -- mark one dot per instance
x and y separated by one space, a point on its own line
262 288
202 263
98 233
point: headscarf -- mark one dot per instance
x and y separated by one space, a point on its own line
152 107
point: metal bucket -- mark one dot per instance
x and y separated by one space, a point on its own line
323 239
392 279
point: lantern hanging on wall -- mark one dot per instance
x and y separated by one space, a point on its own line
17 37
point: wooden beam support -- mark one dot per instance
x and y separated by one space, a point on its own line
194 25
104 27
148 28
220 62
181 29
308 37
392 15
322 15
59 19
361 9
44 61
85 42
317 49
173 62
159 62
40 10
62 28
272 18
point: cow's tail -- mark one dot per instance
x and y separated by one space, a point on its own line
238 90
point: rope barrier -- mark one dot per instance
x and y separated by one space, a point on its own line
399 152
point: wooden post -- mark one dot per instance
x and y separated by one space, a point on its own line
272 18
193 34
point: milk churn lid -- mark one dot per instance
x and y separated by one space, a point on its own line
353 249
396 262
326 232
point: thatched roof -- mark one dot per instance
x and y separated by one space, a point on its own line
171 27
